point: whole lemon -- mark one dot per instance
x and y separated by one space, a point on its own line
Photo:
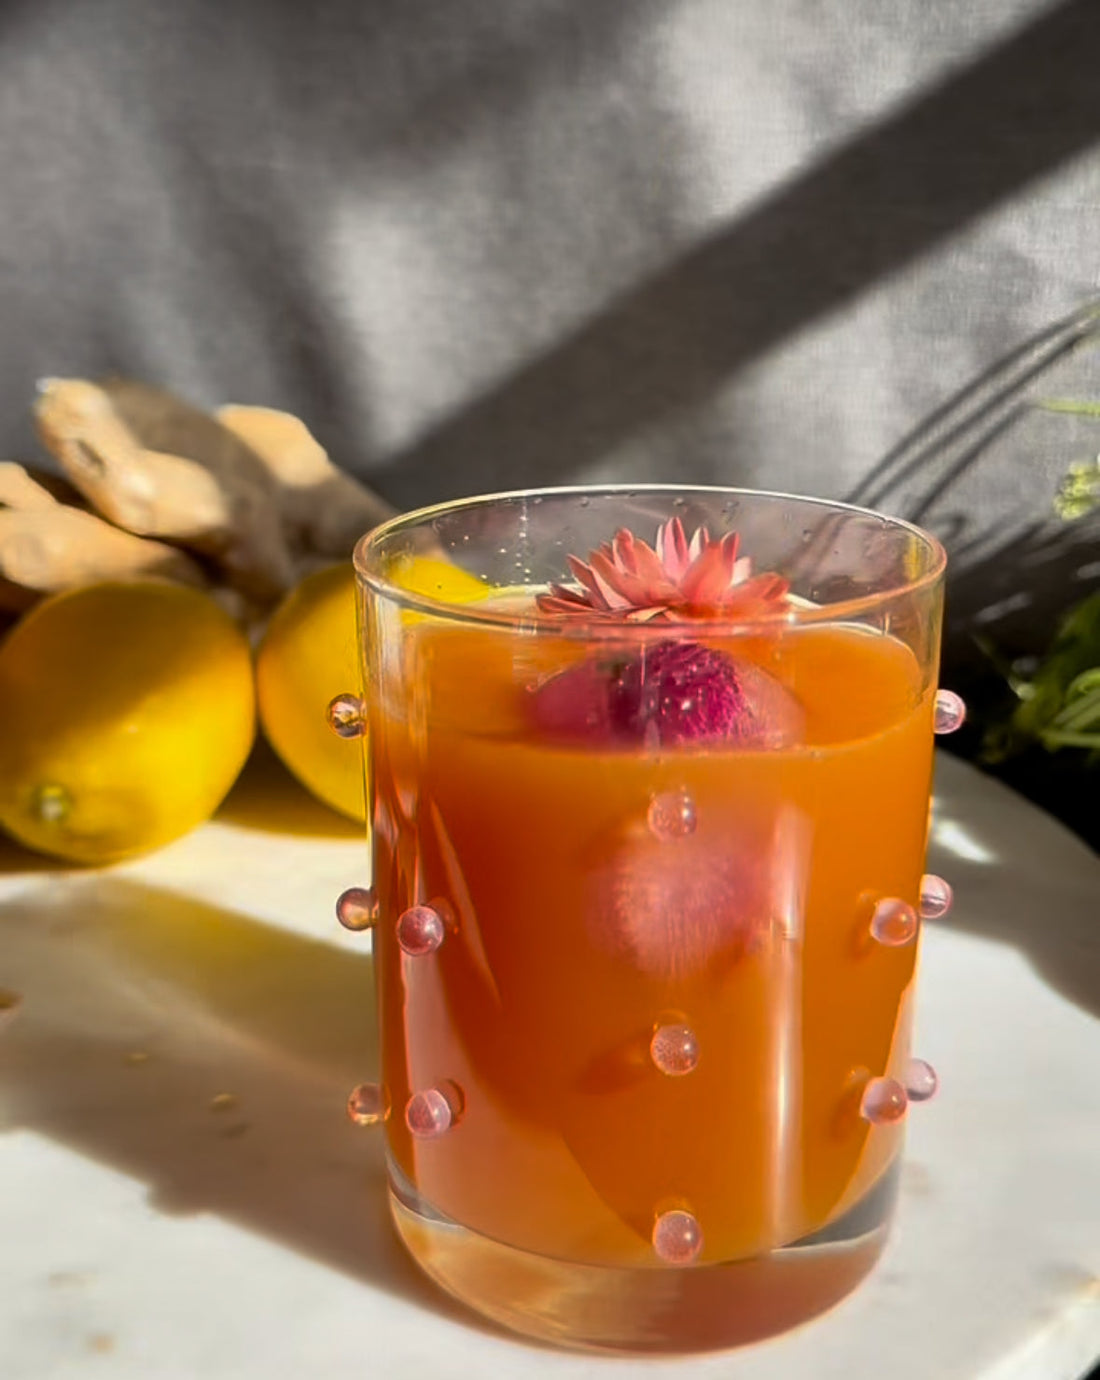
126 713
308 656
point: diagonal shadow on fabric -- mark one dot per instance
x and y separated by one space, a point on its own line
891 194
487 68
970 418
1006 442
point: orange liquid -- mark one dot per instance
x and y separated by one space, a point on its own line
576 930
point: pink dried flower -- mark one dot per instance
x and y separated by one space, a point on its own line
628 580
676 693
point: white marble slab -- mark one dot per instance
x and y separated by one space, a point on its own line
151 1232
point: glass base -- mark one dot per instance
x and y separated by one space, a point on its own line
601 1308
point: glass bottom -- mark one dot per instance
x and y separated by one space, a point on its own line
601 1308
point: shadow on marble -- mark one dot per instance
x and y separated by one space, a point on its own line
14 858
210 1057
267 798
1020 878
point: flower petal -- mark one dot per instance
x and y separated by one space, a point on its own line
656 576
584 575
623 550
561 599
728 546
627 579
708 578
742 569
672 548
620 589
632 586
762 594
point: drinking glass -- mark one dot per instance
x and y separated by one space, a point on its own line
648 830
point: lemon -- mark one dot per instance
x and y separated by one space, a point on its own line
308 656
126 713
437 579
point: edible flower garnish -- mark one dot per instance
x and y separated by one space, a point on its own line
668 692
627 580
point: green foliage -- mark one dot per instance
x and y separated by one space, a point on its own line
1079 492
1059 704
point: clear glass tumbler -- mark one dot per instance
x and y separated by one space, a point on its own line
649 805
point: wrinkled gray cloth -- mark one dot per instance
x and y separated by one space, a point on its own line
525 242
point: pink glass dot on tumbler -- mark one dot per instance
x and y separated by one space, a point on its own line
935 897
677 1237
950 711
884 1101
357 908
674 1049
346 716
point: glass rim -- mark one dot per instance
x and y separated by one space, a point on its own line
532 621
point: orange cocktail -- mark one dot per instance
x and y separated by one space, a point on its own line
647 892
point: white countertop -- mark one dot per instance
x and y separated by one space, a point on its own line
153 1229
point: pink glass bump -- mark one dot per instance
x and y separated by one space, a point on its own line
346 716
368 1104
429 1114
674 1049
357 908
884 1102
671 815
935 897
894 922
420 931
921 1080
950 711
677 1237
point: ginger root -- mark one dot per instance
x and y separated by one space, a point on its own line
51 547
324 510
18 489
158 467
250 493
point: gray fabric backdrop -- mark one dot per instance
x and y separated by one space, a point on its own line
514 242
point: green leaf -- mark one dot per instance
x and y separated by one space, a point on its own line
1084 684
1079 491
1059 705
1070 405
1053 738
1080 713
